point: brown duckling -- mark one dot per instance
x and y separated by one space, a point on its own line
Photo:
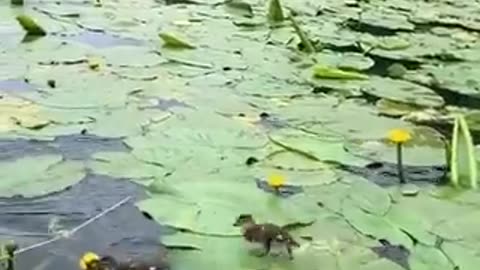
265 233
91 261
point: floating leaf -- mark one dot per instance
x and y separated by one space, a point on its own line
393 43
170 40
210 207
369 197
124 165
375 226
30 26
325 72
428 258
313 147
413 223
463 257
241 7
45 174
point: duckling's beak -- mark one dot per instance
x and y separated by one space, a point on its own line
87 259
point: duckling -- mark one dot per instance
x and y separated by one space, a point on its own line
91 261
265 233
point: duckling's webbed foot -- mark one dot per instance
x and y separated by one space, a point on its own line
289 250
266 249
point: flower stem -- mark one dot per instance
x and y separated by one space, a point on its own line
401 176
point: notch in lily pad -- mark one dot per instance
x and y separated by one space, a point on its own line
30 26
172 41
325 72
399 136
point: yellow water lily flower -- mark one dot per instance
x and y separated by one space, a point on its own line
86 259
276 180
399 135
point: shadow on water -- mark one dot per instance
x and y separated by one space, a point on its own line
125 230
103 40
77 147
385 174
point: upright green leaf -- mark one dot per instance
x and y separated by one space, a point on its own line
309 48
275 12
172 41
324 72
463 162
30 26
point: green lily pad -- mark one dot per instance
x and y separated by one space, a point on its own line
313 147
235 253
425 149
395 109
428 258
45 174
124 122
124 165
131 56
412 222
369 197
464 257
461 78
345 61
373 225
211 207
403 91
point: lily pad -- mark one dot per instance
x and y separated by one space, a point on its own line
313 147
45 174
375 226
345 61
211 207
236 254
426 258
425 149
17 113
124 165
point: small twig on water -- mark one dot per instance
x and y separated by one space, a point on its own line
76 229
